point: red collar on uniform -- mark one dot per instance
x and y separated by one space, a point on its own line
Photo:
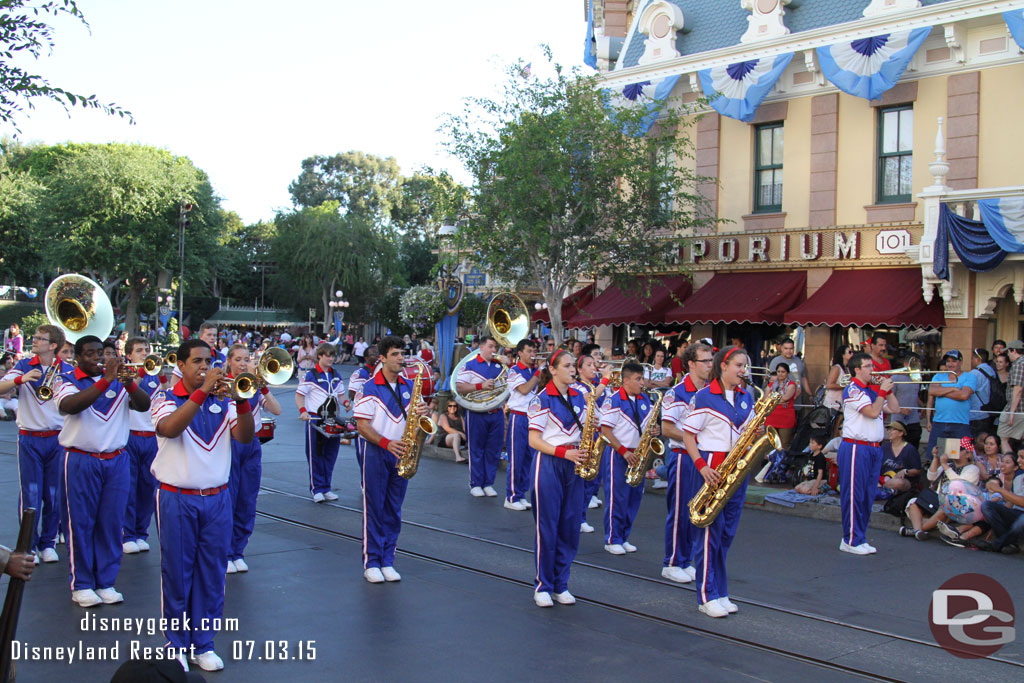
179 390
79 374
35 360
322 371
716 388
688 383
858 383
552 390
624 396
380 379
520 365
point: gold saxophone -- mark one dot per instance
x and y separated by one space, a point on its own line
416 430
745 454
649 445
592 443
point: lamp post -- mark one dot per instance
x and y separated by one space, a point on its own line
338 302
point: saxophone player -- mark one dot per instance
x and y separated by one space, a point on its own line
623 420
381 414
587 381
522 384
720 413
556 416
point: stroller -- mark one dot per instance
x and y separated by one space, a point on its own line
785 467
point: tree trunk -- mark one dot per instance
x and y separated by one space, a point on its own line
553 296
131 316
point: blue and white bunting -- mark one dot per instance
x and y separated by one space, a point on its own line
867 67
1015 22
1004 220
737 90
649 95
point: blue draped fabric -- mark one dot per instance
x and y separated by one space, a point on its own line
867 67
646 94
1004 219
445 341
1015 22
589 53
971 241
737 90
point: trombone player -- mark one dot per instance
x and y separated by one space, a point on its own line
484 429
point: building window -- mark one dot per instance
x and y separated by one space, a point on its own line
768 168
895 154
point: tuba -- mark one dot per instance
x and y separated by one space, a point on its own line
745 454
509 323
79 307
416 431
649 445
592 443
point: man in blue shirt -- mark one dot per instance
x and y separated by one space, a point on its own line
981 421
952 400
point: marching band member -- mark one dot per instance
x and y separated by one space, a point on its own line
588 380
192 465
719 414
246 463
318 386
682 484
860 453
95 407
484 430
40 456
522 384
381 415
208 334
355 386
556 415
141 451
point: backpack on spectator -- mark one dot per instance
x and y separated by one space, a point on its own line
996 390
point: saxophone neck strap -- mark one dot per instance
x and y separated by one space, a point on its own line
568 406
395 394
632 401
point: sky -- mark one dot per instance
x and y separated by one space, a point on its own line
248 89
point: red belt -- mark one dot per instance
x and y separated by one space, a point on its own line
41 435
194 492
875 444
135 432
517 412
110 455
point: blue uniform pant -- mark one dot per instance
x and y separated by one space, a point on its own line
40 461
683 483
383 493
590 488
556 509
97 493
520 457
712 544
360 454
194 535
859 467
321 454
484 433
141 488
244 485
623 500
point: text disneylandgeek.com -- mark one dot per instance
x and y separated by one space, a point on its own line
251 650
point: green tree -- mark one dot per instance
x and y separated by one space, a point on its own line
244 263
568 186
20 259
362 184
25 32
430 199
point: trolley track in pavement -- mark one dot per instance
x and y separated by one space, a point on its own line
799 614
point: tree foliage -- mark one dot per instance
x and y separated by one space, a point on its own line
567 186
362 184
20 259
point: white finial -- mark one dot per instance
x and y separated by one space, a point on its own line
940 167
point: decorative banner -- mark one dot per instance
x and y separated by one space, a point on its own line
1015 22
867 67
444 336
650 95
981 245
452 290
1004 220
589 53
737 90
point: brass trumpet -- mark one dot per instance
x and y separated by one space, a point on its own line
171 358
129 371
239 388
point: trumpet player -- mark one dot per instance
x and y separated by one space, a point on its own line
683 481
522 383
194 428
95 404
381 414
484 429
623 420
246 463
318 387
141 451
40 455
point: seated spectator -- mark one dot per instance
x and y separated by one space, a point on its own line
940 470
989 456
901 463
8 400
820 465
1006 517
454 429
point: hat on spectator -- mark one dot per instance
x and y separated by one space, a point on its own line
954 354
967 443
1016 345
898 426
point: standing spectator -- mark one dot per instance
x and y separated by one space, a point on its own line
878 348
426 352
677 362
909 396
1002 365
305 357
951 400
647 355
119 343
797 369
833 389
981 419
359 349
783 418
998 347
349 345
13 340
1011 426
659 375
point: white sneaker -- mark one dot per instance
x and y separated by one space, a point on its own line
870 548
489 490
565 598
615 549
241 566
209 661
183 660
543 599
373 575
527 503
691 572
854 549
476 492
390 574
48 555
60 539
713 609
595 502
318 498
130 547
331 495
677 574
517 505
86 597
35 558
586 528
231 568
143 546
659 484
109 595
628 547
729 605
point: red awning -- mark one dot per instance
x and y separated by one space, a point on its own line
570 305
616 306
889 296
762 297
